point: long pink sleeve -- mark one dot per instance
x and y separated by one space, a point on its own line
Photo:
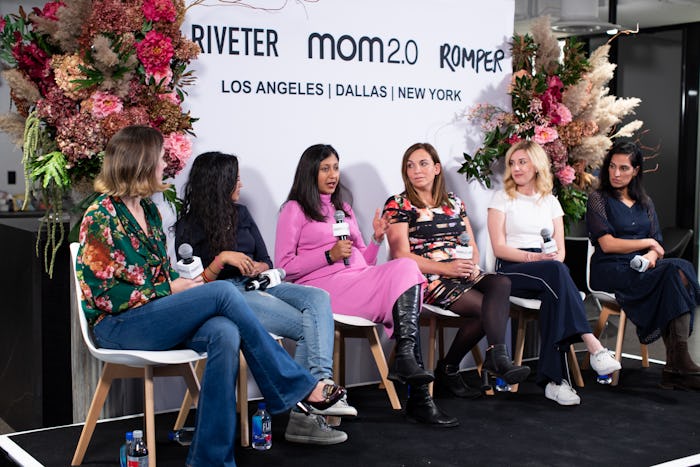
298 262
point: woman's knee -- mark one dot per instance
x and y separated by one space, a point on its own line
221 334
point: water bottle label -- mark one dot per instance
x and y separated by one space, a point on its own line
257 425
137 461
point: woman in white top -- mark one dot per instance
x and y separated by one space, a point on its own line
518 216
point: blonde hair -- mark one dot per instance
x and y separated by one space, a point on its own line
439 192
539 159
130 162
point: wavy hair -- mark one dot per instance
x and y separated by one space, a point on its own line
439 192
130 162
207 201
635 188
539 159
305 185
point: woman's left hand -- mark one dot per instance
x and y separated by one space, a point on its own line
380 223
180 284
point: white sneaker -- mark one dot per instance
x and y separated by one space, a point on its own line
339 409
562 394
604 363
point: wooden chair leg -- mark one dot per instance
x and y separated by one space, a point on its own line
618 345
380 360
645 355
98 400
575 370
188 401
430 364
149 415
242 400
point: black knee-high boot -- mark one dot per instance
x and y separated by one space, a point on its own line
421 408
406 369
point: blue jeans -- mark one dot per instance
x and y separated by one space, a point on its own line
301 313
214 318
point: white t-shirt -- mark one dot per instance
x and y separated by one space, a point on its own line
526 216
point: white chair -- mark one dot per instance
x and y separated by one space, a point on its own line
607 304
437 319
129 364
524 310
355 326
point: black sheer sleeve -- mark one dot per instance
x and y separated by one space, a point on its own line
597 218
655 232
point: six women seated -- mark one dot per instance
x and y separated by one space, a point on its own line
134 299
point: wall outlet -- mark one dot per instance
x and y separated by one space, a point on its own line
11 177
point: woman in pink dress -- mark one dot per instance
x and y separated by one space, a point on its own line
344 266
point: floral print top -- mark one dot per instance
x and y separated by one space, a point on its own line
434 233
120 266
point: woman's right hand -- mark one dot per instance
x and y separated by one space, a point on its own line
341 250
180 284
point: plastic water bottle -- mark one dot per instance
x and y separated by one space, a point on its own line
501 385
125 448
138 454
183 436
262 429
604 379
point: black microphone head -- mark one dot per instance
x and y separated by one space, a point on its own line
185 252
464 239
339 216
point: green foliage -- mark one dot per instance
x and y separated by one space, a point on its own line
573 202
479 166
575 63
170 196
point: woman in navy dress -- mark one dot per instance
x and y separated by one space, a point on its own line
660 301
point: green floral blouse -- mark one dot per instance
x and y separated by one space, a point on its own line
119 265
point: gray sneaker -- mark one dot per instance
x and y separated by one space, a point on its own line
311 429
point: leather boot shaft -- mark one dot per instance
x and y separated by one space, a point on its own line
679 360
499 363
408 364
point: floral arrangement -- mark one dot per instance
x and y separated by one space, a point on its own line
562 105
78 72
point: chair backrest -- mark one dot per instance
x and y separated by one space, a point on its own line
84 328
489 255
676 240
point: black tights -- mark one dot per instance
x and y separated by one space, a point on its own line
486 308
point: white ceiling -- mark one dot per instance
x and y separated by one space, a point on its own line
648 13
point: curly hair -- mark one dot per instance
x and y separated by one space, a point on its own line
305 185
539 158
207 201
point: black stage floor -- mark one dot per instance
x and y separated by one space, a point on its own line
634 424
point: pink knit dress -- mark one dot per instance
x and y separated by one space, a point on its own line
360 289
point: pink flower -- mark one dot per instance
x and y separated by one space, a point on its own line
49 10
512 139
544 134
559 114
170 96
155 51
2 23
159 10
104 104
178 148
161 77
566 175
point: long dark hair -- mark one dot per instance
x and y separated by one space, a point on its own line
305 186
208 202
635 189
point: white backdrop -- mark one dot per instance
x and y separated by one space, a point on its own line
439 58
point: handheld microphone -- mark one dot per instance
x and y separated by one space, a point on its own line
189 266
464 250
548 244
639 263
341 229
266 279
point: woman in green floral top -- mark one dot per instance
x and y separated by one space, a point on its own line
429 225
133 299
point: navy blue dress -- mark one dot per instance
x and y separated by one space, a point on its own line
652 298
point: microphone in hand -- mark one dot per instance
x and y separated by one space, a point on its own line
266 279
639 263
189 266
341 229
464 250
548 244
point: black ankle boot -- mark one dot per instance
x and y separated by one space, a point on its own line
449 379
499 363
405 368
421 408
